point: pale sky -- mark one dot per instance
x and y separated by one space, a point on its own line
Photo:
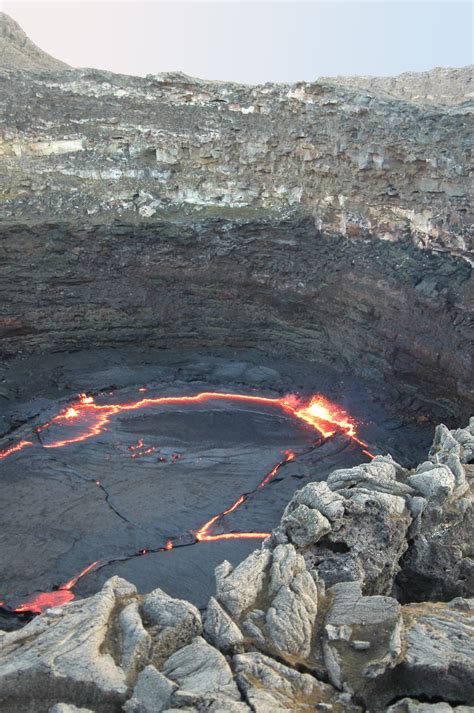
251 41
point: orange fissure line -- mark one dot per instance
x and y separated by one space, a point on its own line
318 413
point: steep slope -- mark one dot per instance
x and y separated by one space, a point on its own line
17 51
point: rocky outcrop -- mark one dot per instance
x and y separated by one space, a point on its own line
311 621
19 53
442 85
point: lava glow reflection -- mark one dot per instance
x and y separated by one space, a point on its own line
85 418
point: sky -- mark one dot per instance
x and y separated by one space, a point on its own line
248 41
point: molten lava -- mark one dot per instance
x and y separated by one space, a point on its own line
87 419
38 603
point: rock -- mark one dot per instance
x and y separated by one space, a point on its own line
171 623
366 529
223 633
239 588
271 687
304 526
289 597
437 653
68 708
73 657
201 671
135 642
411 705
290 618
433 482
362 637
152 692
439 562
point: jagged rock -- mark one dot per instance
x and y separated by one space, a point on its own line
304 525
201 672
273 600
72 656
271 687
369 513
152 692
433 482
68 708
238 589
411 705
135 641
439 562
172 624
361 636
222 631
437 652
290 617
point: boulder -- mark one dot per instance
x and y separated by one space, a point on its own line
171 623
271 687
361 637
201 672
152 692
72 655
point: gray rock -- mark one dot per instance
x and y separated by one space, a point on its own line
271 687
438 656
411 705
238 589
152 692
222 631
202 671
68 708
362 637
290 618
171 623
135 642
433 482
72 657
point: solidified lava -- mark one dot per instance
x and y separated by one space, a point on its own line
87 419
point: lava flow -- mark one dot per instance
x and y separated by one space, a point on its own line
89 419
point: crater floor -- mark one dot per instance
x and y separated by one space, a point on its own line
135 490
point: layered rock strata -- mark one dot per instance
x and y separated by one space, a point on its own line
322 617
328 219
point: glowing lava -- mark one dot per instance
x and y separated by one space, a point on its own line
38 603
87 419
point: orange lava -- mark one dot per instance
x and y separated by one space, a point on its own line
14 449
91 419
38 603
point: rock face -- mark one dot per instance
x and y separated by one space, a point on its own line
294 627
322 219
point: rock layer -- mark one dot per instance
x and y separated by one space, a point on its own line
327 219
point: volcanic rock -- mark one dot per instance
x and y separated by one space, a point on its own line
271 687
152 692
202 673
172 624
328 220
365 531
439 562
19 53
362 636
74 656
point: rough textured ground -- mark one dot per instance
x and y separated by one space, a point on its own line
311 621
56 521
